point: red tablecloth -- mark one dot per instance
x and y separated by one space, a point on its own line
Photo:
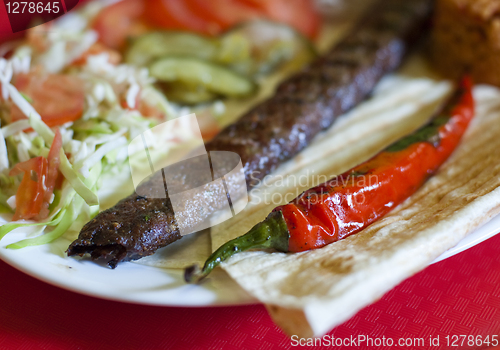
458 296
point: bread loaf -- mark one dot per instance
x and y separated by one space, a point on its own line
466 38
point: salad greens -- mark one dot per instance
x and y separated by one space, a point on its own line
121 101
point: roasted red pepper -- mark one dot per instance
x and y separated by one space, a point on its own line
353 200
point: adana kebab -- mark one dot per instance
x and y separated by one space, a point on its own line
265 137
353 200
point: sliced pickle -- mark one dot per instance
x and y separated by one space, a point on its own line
149 47
196 72
187 94
259 47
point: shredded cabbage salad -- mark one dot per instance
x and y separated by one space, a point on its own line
92 146
69 110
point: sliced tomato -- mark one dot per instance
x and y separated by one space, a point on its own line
177 14
143 107
117 22
222 14
58 98
37 37
53 160
37 186
30 194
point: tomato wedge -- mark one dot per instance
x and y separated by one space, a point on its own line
58 98
53 160
176 14
30 194
299 14
117 22
212 17
37 186
222 14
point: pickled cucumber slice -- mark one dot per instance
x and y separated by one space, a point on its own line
187 94
201 73
149 47
259 47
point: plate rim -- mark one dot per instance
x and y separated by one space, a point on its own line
481 234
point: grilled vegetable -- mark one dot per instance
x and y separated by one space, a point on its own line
58 98
210 17
117 22
353 200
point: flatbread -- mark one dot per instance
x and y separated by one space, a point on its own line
309 293
401 103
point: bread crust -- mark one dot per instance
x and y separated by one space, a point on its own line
466 38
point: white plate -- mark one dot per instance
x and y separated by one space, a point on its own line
141 284
129 282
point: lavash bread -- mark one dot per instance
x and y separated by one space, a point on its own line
309 293
466 38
